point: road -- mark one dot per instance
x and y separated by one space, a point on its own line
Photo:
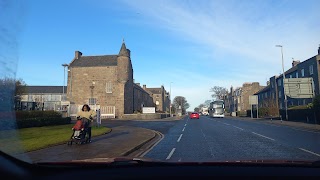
230 139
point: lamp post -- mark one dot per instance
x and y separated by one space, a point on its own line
91 87
283 77
170 98
64 82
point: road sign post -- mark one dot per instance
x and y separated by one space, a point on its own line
253 100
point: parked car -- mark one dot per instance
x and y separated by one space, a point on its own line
194 115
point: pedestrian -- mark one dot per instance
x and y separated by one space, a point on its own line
88 114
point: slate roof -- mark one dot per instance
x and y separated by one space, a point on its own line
45 89
265 89
93 61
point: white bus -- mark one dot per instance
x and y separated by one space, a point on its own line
205 111
216 109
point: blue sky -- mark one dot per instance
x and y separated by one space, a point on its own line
193 44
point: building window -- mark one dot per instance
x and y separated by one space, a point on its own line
271 85
302 72
281 105
109 87
92 101
279 82
279 94
266 95
297 75
311 69
290 75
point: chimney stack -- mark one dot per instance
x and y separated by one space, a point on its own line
319 50
78 54
144 86
294 63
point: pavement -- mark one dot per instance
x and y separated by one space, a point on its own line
126 141
300 125
120 141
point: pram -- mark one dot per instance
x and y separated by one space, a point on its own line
81 137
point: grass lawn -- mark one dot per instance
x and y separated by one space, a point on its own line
41 137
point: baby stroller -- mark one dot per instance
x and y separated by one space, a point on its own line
79 136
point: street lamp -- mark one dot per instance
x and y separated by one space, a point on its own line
64 82
284 77
170 98
64 76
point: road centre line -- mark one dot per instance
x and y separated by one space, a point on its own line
226 124
309 152
171 153
263 136
183 129
185 124
238 128
179 138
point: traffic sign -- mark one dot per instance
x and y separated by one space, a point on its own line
253 99
299 87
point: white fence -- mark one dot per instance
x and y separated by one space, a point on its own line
105 111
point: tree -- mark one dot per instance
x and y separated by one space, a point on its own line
218 92
201 105
196 109
207 103
11 91
180 101
316 102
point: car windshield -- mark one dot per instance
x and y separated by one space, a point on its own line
94 80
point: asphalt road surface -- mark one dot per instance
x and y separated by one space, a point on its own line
230 139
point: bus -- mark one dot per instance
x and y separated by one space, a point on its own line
204 111
216 109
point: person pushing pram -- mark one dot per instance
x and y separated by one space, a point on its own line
86 115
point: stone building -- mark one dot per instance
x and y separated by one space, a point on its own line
309 68
160 97
237 100
105 82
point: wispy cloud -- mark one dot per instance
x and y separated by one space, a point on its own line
240 36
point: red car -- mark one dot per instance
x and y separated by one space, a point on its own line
194 115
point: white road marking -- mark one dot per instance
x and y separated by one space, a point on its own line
147 151
170 154
310 152
263 136
226 124
183 129
205 138
180 138
238 128
185 124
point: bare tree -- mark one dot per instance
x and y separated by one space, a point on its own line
207 103
271 107
218 92
180 101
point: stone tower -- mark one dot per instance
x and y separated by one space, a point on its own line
125 79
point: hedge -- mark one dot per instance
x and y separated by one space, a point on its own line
36 114
42 121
